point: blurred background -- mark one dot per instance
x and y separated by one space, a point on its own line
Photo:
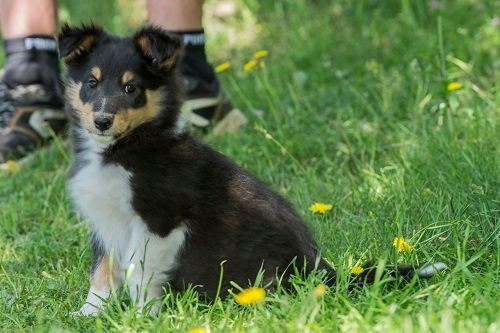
388 110
351 104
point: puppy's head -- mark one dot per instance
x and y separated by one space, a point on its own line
116 84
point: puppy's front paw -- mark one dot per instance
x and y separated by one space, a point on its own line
94 303
87 310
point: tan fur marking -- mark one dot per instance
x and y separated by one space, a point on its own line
96 71
103 275
84 110
170 62
127 76
129 119
144 44
85 45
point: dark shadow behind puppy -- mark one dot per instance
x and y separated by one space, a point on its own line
161 205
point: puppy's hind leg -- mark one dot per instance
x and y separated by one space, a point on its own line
146 288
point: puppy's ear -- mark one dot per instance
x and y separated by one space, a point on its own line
75 43
160 49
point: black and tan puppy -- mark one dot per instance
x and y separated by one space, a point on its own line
161 205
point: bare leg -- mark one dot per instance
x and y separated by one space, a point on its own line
176 15
20 18
205 104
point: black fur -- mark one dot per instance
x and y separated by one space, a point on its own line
163 45
70 39
179 179
97 252
231 216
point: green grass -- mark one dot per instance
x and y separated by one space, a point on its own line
357 114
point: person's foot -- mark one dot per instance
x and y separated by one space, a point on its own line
29 115
206 107
31 107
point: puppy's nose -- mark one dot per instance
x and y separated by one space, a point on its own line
102 123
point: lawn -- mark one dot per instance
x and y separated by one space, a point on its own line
352 107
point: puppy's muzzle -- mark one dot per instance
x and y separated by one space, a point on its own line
103 122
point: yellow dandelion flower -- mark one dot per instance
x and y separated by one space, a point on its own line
249 65
320 290
402 245
250 296
197 330
260 54
12 166
222 67
452 86
321 208
357 270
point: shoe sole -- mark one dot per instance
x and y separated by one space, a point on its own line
234 120
230 122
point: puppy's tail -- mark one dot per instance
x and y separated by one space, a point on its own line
367 273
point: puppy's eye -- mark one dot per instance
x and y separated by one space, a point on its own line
129 88
92 83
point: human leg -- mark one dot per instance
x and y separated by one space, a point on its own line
205 104
30 96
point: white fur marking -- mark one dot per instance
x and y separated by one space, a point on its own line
94 303
101 109
102 194
103 139
429 270
94 143
157 255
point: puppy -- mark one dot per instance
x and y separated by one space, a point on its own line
164 208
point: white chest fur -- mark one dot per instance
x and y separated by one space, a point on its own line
102 193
